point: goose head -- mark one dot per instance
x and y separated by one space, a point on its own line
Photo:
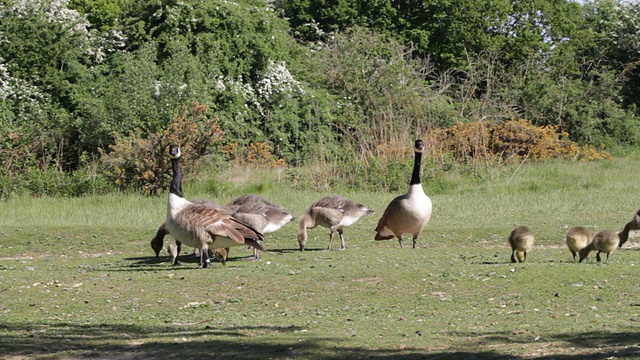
174 151
419 146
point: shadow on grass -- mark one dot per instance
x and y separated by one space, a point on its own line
103 341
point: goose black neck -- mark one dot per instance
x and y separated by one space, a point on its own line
176 180
415 176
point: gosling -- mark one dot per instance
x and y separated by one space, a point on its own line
606 241
634 224
521 240
577 239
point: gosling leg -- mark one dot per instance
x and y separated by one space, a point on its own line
343 245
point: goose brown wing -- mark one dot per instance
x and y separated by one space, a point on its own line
237 231
276 213
332 202
252 208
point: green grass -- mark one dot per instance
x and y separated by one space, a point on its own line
78 279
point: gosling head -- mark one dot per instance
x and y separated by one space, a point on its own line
156 246
302 240
584 253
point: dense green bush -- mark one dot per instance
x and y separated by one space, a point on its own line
303 82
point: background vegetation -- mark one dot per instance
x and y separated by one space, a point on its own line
296 84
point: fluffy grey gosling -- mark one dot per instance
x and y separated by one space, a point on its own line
577 239
605 241
634 224
202 226
261 214
408 213
521 240
333 212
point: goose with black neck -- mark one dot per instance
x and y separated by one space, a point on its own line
408 213
201 225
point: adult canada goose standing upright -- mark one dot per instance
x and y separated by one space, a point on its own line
175 246
634 224
333 212
202 226
408 213
259 213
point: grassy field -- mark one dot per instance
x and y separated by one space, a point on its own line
78 279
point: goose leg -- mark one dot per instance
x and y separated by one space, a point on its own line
256 255
415 241
400 241
206 260
513 256
333 232
343 245
175 261
598 257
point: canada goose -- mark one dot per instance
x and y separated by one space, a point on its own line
521 240
332 212
605 241
175 246
634 224
408 213
202 226
261 214
577 239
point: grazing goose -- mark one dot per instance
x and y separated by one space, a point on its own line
408 213
202 226
175 246
261 214
605 241
521 240
577 239
634 224
333 212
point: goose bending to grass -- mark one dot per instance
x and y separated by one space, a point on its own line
521 240
408 213
577 239
175 246
261 214
634 224
334 213
605 241
202 226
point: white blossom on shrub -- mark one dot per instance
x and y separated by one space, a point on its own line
278 80
28 98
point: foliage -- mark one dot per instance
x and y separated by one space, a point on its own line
386 98
500 143
298 82
141 162
462 148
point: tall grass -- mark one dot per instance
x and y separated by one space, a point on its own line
550 195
